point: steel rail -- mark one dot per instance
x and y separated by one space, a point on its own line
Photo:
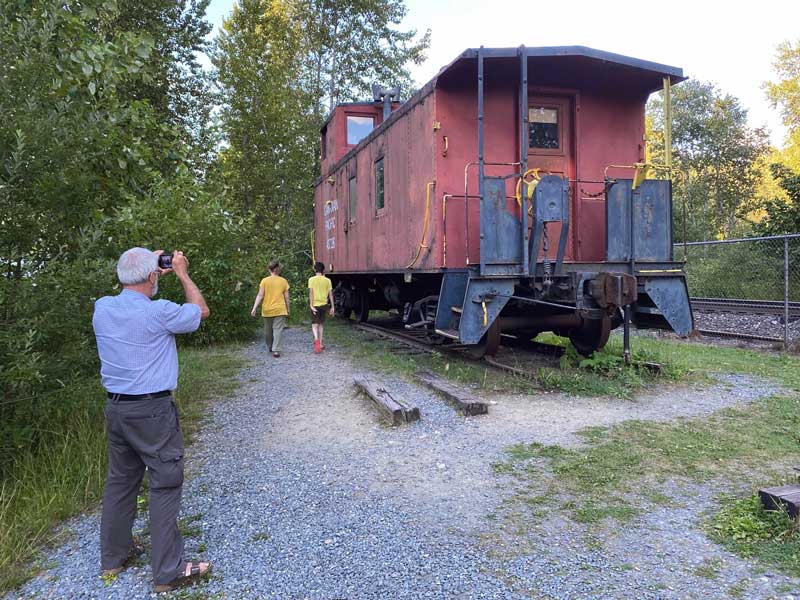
744 336
741 305
416 341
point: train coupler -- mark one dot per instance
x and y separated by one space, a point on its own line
613 289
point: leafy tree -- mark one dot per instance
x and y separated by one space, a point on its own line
785 93
178 88
717 153
279 63
70 142
352 44
89 167
785 96
782 216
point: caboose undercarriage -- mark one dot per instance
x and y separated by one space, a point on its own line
584 304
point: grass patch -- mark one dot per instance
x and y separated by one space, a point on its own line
66 473
709 568
188 527
261 536
621 466
604 374
744 527
607 474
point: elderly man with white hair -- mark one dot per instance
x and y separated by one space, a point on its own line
139 369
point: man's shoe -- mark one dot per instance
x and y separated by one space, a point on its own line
135 551
194 571
317 347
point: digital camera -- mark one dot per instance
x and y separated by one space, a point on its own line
165 261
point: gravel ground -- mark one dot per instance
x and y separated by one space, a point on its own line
299 491
765 325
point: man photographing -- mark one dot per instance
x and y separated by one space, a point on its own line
139 369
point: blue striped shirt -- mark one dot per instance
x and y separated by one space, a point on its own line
136 341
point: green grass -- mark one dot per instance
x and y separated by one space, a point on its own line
744 527
617 469
65 475
709 568
604 375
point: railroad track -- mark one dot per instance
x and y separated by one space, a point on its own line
739 305
420 340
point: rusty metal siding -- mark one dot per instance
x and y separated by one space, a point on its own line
457 111
611 132
385 239
607 128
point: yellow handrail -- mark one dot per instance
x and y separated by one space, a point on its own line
531 185
425 222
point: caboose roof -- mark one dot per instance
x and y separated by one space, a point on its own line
570 65
575 67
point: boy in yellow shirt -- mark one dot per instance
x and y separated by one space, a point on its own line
320 299
273 295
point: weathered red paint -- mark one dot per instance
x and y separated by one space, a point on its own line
433 137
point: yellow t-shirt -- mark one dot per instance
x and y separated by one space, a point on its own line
322 287
274 288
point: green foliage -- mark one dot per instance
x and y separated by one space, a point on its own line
744 527
785 93
278 62
352 44
88 168
717 153
782 216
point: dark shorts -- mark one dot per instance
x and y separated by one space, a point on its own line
319 317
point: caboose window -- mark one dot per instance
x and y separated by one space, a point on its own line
543 128
352 194
358 128
379 184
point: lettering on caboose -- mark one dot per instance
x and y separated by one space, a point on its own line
331 207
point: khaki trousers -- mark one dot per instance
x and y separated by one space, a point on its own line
273 332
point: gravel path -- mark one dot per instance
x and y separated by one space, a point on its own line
298 491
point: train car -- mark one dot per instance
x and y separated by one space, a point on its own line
507 197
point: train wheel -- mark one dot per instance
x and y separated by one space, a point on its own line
489 344
342 311
592 336
362 308
339 300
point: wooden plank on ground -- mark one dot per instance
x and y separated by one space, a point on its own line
395 409
465 402
784 497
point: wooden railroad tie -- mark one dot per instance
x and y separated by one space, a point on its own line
463 400
395 409
784 497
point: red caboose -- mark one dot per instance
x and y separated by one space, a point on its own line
508 195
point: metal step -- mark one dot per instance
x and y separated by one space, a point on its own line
449 333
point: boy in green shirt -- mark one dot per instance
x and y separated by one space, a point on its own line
320 299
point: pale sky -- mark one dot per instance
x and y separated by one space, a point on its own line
729 43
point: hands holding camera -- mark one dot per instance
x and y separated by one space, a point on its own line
177 262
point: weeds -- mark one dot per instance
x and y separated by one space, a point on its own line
604 374
65 475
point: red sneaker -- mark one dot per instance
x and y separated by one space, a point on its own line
317 347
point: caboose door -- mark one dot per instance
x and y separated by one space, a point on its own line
551 148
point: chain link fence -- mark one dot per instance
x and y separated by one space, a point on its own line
745 287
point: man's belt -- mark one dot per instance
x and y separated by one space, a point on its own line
130 397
